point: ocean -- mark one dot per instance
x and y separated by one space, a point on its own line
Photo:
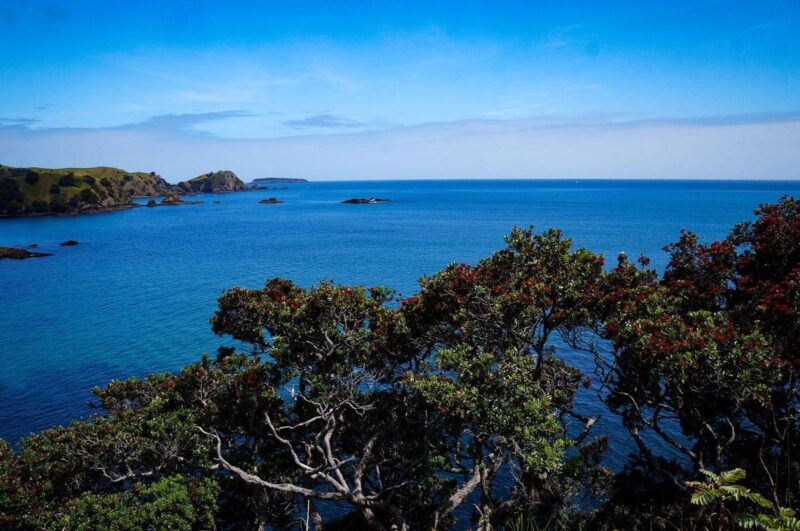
136 295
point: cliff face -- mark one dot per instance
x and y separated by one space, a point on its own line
149 185
31 191
218 181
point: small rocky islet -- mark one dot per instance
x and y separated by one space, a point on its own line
175 199
365 201
18 253
270 201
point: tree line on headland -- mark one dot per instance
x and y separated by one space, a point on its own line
453 407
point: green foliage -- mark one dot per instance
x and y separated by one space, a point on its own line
404 414
722 490
11 197
68 180
89 196
174 502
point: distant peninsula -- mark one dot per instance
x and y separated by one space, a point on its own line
41 191
276 180
36 191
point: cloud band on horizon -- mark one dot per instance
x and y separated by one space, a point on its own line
746 146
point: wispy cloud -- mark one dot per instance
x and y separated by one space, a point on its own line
17 122
325 121
182 123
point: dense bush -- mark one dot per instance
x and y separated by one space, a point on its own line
31 177
68 180
55 189
39 206
89 196
57 205
405 413
11 198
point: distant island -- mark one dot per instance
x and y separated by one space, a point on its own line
40 191
276 180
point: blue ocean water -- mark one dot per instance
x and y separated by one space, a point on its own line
136 295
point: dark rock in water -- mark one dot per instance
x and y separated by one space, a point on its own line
216 202
17 253
68 243
175 199
151 202
365 200
33 246
270 201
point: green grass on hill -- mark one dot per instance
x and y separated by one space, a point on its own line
25 191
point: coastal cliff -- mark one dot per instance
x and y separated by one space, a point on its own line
213 182
37 191
40 191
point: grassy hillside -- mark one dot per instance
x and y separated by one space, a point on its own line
27 191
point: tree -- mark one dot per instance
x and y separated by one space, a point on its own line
68 180
398 413
31 177
405 413
11 198
89 196
704 359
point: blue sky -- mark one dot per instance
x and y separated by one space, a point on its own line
333 90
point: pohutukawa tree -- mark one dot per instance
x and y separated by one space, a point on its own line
705 359
399 413
453 406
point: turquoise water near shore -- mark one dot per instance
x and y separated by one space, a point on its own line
135 296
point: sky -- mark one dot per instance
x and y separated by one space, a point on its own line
695 89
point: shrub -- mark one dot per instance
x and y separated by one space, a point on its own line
88 179
57 205
55 189
31 177
11 197
68 180
12 208
88 196
39 206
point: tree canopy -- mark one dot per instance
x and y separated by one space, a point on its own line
455 407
